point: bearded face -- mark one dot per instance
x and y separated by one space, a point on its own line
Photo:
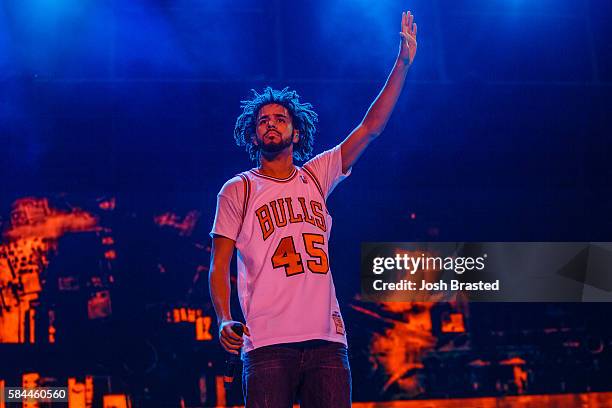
274 130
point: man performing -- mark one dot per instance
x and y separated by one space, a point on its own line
275 215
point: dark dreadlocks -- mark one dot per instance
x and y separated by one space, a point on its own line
303 117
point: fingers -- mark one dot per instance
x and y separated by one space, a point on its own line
230 341
230 335
230 348
230 344
228 338
228 331
408 24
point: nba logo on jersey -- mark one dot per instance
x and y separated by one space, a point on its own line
338 322
303 179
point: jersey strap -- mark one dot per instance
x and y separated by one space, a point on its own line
315 180
246 184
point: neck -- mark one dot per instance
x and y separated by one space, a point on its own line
279 165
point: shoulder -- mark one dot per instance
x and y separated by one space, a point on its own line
324 162
325 156
234 187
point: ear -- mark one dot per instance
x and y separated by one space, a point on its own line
254 139
296 136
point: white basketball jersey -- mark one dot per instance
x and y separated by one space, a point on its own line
282 228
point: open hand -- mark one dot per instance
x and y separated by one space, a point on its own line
408 45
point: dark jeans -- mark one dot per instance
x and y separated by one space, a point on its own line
316 372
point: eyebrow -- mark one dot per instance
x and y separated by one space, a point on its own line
278 115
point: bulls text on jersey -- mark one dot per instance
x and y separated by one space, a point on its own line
277 213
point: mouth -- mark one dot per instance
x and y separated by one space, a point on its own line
272 137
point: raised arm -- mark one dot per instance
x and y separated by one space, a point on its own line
220 289
378 115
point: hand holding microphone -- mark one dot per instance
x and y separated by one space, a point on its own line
230 335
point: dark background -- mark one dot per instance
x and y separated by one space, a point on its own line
502 132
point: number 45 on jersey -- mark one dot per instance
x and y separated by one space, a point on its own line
285 255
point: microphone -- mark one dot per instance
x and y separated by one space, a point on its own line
232 361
